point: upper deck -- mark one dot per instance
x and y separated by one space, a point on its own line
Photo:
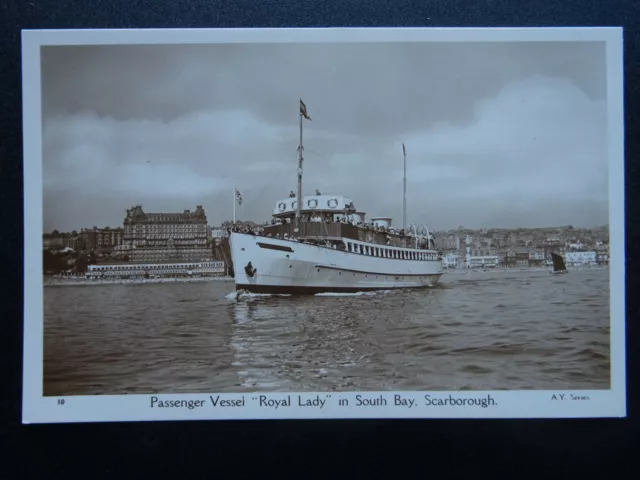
334 217
339 231
311 203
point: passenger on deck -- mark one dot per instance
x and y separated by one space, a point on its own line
292 194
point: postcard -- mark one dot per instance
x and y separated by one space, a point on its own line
323 224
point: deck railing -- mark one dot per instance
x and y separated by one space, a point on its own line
314 229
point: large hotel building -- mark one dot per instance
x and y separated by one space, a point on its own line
166 237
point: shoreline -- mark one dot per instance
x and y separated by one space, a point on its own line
81 282
460 271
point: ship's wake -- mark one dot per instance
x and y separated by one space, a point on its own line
242 295
354 294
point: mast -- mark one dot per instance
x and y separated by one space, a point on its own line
299 195
404 195
303 114
235 198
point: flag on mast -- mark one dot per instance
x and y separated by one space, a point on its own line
404 151
238 197
303 110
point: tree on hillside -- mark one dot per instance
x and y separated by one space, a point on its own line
52 262
55 233
81 264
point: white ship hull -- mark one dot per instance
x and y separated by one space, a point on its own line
286 267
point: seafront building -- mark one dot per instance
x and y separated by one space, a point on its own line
152 238
523 248
155 270
100 238
580 258
166 237
450 260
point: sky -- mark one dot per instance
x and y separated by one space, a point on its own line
497 134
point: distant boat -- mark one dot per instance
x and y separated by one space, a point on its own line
558 264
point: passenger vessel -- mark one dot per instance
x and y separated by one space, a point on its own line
323 244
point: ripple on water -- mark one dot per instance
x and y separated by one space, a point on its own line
477 331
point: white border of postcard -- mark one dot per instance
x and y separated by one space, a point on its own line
320 405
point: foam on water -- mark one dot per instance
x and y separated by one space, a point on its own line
242 295
356 294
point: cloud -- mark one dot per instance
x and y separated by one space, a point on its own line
523 149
